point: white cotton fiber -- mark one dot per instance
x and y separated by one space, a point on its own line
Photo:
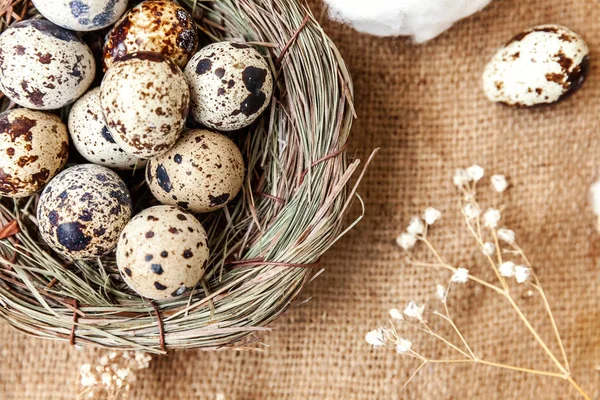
421 19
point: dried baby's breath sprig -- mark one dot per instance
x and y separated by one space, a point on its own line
110 378
502 255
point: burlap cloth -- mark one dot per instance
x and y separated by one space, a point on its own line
424 107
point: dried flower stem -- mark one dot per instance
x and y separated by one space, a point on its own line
466 181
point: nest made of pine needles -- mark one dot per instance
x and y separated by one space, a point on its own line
264 245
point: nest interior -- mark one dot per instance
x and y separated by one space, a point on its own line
264 245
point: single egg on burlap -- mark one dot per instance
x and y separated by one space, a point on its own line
541 65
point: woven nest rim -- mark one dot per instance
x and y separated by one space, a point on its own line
263 247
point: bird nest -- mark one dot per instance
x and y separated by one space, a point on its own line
264 245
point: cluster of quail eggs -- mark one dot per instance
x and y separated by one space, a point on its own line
155 80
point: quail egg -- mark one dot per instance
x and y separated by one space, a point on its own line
145 102
91 136
34 146
158 26
162 252
44 66
202 172
81 15
230 85
82 211
541 65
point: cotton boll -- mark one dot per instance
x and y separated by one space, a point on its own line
421 19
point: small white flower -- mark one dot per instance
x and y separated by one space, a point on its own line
506 235
376 338
471 211
403 346
499 183
475 172
396 314
522 273
440 292
431 215
491 217
88 380
106 379
595 194
413 310
416 226
406 241
507 269
461 177
488 249
461 275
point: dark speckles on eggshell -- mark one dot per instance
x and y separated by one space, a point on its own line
128 272
164 254
187 253
204 65
159 286
71 235
177 158
106 135
218 200
162 177
157 269
148 257
149 235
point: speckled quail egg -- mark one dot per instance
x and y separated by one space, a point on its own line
541 65
44 66
230 85
34 146
202 172
91 136
158 26
82 211
162 252
145 102
81 15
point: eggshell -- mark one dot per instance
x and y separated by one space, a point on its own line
230 85
92 138
82 211
202 172
162 252
145 102
541 65
81 15
44 66
158 26
34 146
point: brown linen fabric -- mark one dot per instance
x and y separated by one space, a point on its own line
423 105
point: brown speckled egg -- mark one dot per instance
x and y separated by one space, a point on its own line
82 211
82 15
34 146
158 26
44 66
145 102
202 172
91 136
541 65
230 85
162 252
